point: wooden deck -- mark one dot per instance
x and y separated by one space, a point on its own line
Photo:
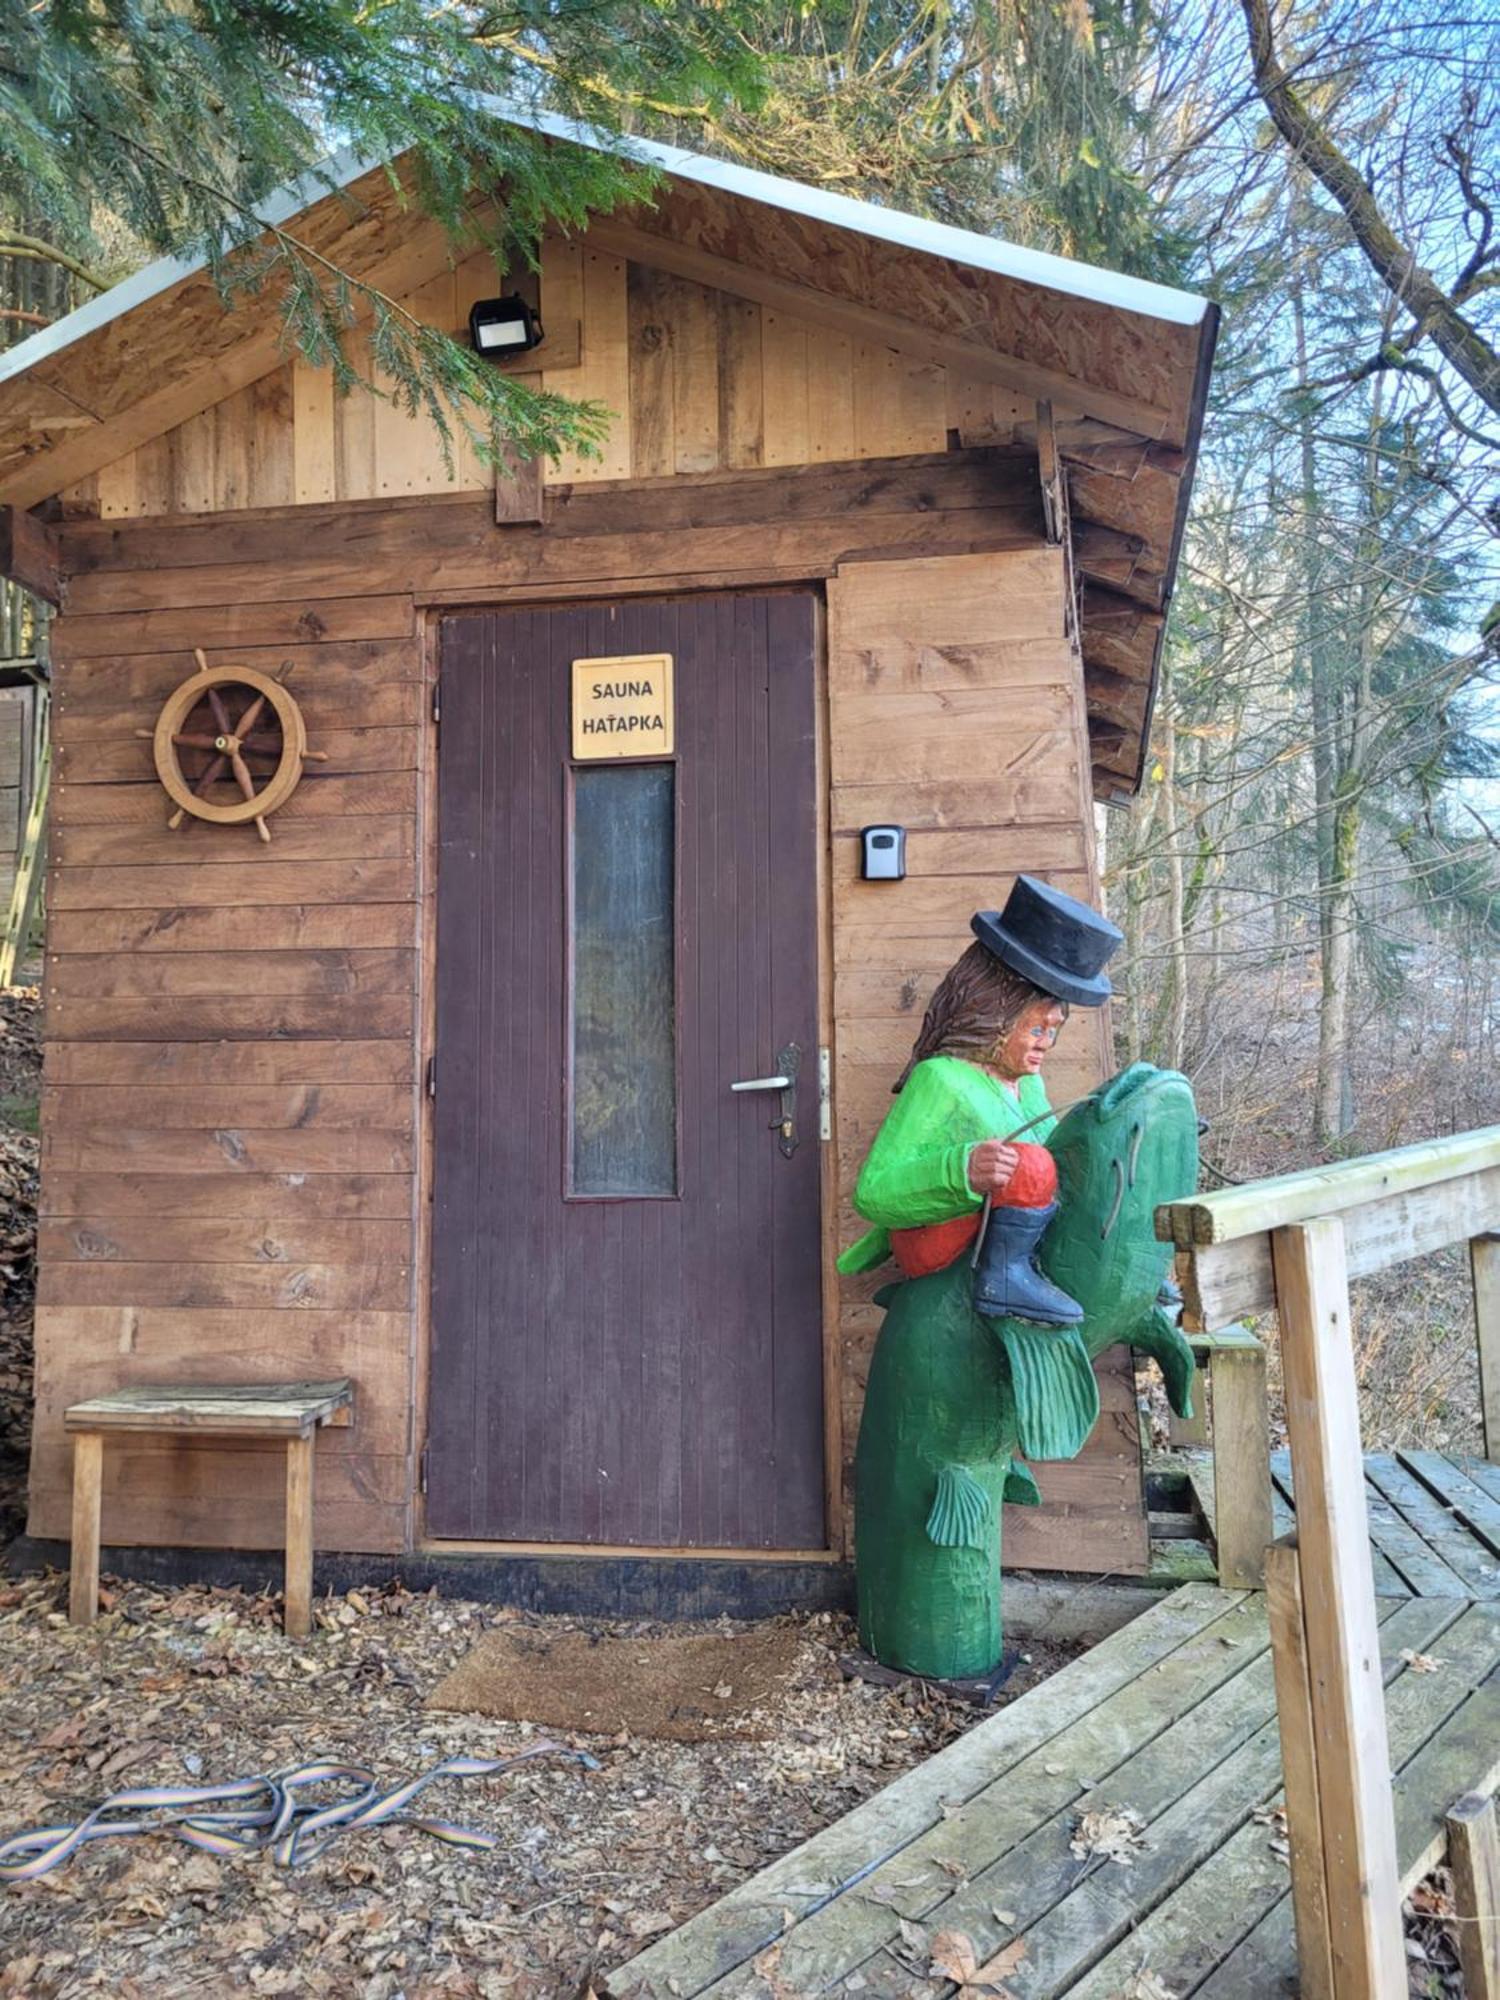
1172 1718
1434 1522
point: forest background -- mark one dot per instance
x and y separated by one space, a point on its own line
1309 882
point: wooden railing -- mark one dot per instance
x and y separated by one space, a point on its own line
1291 1245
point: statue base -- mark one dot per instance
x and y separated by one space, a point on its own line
978 1689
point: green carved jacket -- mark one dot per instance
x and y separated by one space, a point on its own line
917 1171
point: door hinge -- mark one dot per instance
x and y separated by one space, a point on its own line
422 1467
825 1094
437 701
432 1076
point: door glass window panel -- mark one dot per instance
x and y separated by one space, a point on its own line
624 1038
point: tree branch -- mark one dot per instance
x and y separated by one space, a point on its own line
1460 343
36 251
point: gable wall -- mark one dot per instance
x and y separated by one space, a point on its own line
698 380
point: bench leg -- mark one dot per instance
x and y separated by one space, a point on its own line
88 1479
1242 1466
299 1536
1474 1857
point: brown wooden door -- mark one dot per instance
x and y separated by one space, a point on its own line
626 1309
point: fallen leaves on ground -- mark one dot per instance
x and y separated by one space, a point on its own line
181 1685
1116 1833
953 1957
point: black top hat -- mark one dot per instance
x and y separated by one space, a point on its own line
1056 942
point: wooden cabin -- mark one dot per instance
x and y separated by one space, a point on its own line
434 1088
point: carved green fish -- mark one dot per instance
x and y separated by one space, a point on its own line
953 1398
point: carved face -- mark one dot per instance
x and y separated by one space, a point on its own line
1028 1044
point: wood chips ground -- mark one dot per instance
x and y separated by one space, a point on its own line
193 1686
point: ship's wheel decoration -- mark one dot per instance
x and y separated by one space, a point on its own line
229 746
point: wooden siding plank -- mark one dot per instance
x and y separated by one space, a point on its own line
695 377
314 467
232 1150
361 837
194 466
315 927
230 1019
326 1287
603 375
784 390
255 1064
883 523
212 974
653 450
304 1107
363 540
344 677
277 1243
741 383
235 625
386 737
369 793
220 886
226 1197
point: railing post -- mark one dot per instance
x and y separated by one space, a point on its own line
1299 1765
1484 1262
1242 1464
1340 1632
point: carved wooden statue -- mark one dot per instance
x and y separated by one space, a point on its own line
1026 1247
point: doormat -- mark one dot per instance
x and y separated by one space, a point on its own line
681 1689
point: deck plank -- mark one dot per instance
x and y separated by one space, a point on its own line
985 1839
1214 1914
1110 1902
733 1930
1263 1967
1387 1534
1484 1473
1458 1494
1445 1537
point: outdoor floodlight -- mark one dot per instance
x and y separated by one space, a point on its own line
503 326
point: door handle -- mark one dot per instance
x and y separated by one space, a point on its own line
789 1062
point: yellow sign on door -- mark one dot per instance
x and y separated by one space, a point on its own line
623 707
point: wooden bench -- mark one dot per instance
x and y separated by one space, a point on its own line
291 1410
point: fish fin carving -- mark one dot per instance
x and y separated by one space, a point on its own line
1056 1390
1021 1489
1159 1336
960 1514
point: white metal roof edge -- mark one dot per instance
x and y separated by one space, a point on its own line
912 232
894 225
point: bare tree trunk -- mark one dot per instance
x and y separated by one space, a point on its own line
1334 1111
1176 910
1334 1114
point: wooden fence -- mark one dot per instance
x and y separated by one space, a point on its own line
1291 1245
